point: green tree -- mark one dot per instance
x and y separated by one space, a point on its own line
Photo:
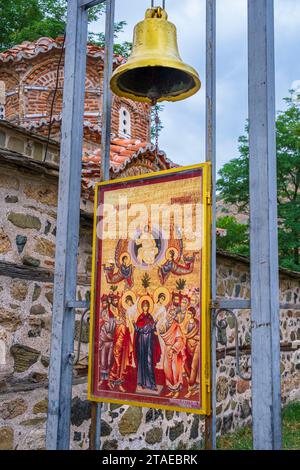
123 49
27 20
237 237
233 183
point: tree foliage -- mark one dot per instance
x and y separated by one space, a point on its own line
233 183
28 20
123 49
237 237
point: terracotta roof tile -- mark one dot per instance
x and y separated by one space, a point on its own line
122 153
30 50
33 125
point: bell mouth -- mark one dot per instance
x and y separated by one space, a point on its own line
156 83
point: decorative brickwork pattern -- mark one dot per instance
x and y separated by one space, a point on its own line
29 72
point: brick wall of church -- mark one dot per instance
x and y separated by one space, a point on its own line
30 85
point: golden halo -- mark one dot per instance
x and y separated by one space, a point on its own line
126 294
125 253
176 252
141 300
162 290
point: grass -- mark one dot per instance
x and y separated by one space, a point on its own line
242 438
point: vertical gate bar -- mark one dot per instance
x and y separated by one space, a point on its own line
107 95
105 162
266 393
95 430
98 427
210 421
67 237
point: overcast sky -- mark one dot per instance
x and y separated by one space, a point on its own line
183 136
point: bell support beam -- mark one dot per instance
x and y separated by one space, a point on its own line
266 393
107 94
67 237
210 421
90 3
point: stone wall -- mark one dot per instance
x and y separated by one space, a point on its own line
27 143
27 243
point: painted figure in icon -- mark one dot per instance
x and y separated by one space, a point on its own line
123 273
161 298
172 265
194 302
192 337
129 309
146 345
129 304
174 354
113 302
121 353
106 338
182 309
147 249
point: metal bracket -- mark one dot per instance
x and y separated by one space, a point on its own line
80 334
239 304
237 350
78 304
230 304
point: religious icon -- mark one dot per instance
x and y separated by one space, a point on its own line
149 314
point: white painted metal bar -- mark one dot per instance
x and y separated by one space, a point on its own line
107 94
211 157
266 399
105 152
67 237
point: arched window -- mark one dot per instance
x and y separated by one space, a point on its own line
2 100
124 123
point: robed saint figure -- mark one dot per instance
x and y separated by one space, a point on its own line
147 350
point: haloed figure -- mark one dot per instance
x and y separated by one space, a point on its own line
174 354
107 327
146 348
121 354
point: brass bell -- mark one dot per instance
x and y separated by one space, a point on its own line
155 71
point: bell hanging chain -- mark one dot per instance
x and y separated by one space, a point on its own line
156 122
163 4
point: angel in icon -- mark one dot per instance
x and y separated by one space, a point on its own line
124 267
